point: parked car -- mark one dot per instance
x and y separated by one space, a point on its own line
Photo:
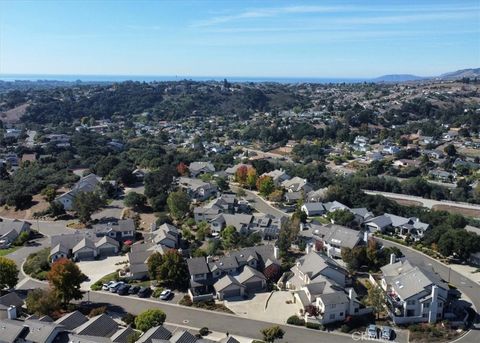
123 289
166 294
372 331
387 333
144 292
114 287
107 285
134 290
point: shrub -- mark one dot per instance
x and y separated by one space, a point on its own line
186 301
37 264
345 328
313 326
149 318
97 310
156 293
129 319
204 331
295 320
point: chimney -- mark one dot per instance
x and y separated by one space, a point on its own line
351 308
276 252
365 236
308 248
12 312
432 313
393 258
209 259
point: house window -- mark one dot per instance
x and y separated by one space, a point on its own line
332 316
411 302
333 305
440 304
425 315
341 314
426 305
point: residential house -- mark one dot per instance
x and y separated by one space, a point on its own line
414 295
197 189
297 184
317 196
199 168
82 245
313 209
278 176
239 272
442 175
120 230
10 230
403 226
332 238
226 203
10 306
85 184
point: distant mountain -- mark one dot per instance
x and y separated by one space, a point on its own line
398 78
471 73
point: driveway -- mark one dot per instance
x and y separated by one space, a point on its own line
97 269
277 310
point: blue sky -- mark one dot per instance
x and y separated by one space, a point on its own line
239 38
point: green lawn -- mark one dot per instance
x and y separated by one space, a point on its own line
322 220
4 252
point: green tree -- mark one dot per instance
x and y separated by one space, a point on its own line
265 185
85 204
65 278
229 237
178 204
341 217
251 180
376 299
42 302
450 150
135 200
153 263
149 319
49 193
273 333
8 273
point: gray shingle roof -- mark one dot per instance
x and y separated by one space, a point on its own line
72 320
334 298
11 330
155 333
10 299
197 265
40 331
101 325
183 336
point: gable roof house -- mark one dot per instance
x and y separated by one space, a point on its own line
297 184
85 184
240 271
332 238
10 306
312 209
403 226
198 168
414 295
10 230
82 245
197 189
278 176
226 203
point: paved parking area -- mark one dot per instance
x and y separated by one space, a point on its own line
97 269
277 310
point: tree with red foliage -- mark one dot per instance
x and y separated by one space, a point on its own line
241 174
65 278
312 310
182 169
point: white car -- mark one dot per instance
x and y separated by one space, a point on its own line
107 285
115 286
165 295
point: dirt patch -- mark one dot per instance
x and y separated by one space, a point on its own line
13 115
406 202
38 204
469 152
469 212
284 151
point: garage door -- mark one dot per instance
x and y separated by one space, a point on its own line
107 251
231 293
82 255
254 286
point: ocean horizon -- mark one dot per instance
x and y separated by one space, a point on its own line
160 78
